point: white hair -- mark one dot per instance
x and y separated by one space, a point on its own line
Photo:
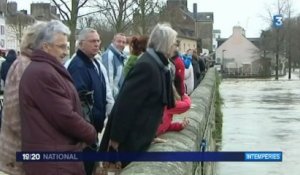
83 33
47 34
162 38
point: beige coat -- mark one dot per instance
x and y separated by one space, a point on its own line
10 135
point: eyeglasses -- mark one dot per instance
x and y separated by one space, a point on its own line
93 41
62 46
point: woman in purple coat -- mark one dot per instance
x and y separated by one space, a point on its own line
50 107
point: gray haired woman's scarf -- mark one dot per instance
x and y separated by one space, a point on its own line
163 63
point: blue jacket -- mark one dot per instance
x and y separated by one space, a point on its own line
187 60
113 60
88 77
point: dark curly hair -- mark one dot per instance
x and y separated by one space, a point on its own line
138 44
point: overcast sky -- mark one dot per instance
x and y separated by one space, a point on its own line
227 13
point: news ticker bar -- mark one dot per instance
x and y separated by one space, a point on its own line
151 156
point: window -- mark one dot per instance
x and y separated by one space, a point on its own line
2 30
2 43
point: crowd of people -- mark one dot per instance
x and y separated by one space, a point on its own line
53 105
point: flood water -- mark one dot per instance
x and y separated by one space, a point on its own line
261 115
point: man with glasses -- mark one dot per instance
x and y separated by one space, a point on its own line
90 83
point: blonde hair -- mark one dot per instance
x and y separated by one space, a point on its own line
30 36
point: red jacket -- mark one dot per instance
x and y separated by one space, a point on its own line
181 106
179 75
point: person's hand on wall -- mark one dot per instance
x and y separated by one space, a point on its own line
113 144
159 140
185 122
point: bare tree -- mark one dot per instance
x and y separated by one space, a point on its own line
69 11
87 21
276 35
118 13
98 23
289 36
146 15
295 41
105 31
18 22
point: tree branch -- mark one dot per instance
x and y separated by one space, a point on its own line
64 14
66 5
114 15
82 4
98 11
126 25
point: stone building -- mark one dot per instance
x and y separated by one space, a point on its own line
198 24
43 11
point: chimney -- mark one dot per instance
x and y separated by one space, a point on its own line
24 12
3 7
195 12
238 30
12 8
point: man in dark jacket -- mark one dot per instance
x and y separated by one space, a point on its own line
88 78
50 107
147 89
202 66
10 58
196 69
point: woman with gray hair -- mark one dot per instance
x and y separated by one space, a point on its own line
146 91
49 105
10 135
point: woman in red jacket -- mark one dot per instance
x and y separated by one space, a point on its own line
179 73
182 105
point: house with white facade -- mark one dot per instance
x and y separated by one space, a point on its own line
238 55
11 39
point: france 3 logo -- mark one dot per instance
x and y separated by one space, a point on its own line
277 21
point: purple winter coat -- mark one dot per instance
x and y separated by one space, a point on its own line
51 115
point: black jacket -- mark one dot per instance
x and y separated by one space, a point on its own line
138 109
11 57
197 72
